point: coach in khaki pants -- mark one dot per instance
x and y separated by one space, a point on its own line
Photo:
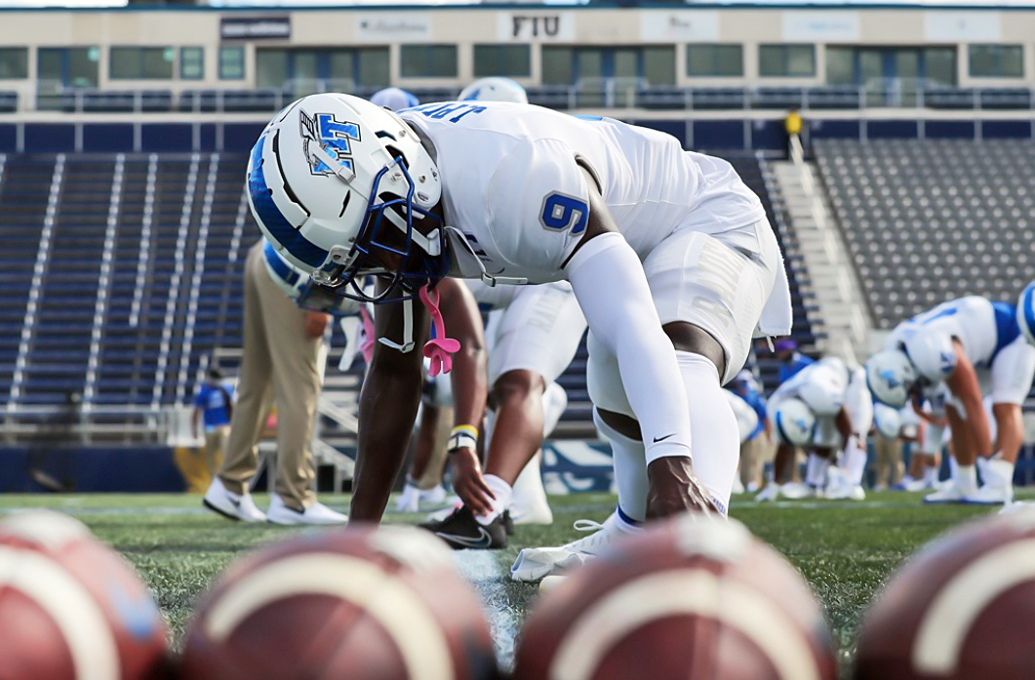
283 360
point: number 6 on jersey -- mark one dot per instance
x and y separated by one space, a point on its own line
561 212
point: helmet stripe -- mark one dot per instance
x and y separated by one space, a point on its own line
1029 308
277 264
273 220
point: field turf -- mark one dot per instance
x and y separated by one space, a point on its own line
846 550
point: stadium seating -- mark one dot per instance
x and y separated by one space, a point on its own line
928 221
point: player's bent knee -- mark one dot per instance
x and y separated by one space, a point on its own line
518 385
686 337
620 423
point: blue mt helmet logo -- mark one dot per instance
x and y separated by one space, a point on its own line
889 377
333 136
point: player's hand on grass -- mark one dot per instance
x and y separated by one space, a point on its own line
469 483
674 488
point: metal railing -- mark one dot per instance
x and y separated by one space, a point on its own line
610 93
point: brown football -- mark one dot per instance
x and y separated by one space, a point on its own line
689 598
71 608
377 604
963 608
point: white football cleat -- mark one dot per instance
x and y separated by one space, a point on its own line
436 495
409 499
316 514
533 564
990 494
231 505
947 494
738 486
796 491
528 504
770 493
847 492
1018 506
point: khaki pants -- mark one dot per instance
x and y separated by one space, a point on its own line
889 461
754 454
280 362
215 444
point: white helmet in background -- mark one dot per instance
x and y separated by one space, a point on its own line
297 285
890 375
932 355
887 420
334 180
494 90
747 419
795 422
1026 312
394 99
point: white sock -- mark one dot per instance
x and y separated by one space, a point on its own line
626 524
954 468
714 435
503 493
966 478
930 474
630 465
816 471
529 485
1003 469
855 465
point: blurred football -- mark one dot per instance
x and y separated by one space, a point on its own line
71 608
373 603
692 597
963 608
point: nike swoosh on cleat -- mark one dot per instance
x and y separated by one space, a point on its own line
661 439
483 541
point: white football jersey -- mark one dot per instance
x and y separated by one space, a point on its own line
982 327
821 385
511 183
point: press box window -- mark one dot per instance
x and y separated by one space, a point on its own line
996 61
192 63
231 63
513 61
14 63
717 61
787 61
428 61
141 63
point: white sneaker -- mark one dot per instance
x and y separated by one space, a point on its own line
770 493
409 500
1018 506
436 495
947 494
738 486
990 494
847 492
231 505
317 514
533 564
917 485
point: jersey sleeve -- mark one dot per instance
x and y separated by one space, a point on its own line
538 202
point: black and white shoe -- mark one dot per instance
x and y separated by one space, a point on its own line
462 531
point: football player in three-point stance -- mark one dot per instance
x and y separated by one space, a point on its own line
975 347
669 255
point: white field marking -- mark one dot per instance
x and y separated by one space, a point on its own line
100 511
72 609
683 591
416 634
482 569
949 618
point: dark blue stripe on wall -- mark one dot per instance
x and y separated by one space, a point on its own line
108 137
1005 129
208 137
167 137
949 129
891 129
768 134
719 134
833 129
8 138
49 137
240 137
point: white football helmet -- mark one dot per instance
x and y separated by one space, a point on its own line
795 422
890 375
334 181
887 420
747 419
494 90
298 286
1026 312
932 355
394 99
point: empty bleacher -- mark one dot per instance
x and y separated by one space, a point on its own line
928 221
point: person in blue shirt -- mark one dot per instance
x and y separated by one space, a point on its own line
214 403
791 360
756 449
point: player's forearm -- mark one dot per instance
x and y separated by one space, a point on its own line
469 377
387 408
612 290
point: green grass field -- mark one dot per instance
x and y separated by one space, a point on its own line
845 550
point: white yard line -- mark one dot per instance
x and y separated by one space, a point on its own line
482 570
